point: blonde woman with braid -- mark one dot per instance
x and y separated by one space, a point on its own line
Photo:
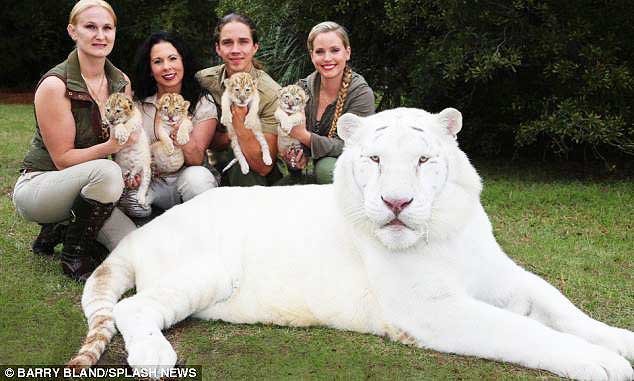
334 89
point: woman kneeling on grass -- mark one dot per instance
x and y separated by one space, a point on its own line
66 174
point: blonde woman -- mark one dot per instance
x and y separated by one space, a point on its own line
334 89
66 175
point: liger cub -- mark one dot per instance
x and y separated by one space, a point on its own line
172 109
241 90
124 118
290 113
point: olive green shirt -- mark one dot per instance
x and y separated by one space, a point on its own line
359 101
212 80
88 124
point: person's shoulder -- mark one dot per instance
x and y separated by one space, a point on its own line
358 80
209 73
266 84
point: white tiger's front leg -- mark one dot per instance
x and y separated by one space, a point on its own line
266 154
462 325
185 128
237 151
121 133
225 108
143 194
252 119
541 301
163 135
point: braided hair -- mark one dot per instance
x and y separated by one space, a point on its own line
341 98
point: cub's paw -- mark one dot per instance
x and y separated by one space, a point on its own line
151 354
182 137
266 158
595 363
168 147
244 167
121 135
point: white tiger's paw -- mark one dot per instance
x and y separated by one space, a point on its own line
244 167
618 340
182 137
121 135
151 354
595 363
168 147
266 158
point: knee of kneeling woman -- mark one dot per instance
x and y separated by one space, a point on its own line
324 168
106 182
193 181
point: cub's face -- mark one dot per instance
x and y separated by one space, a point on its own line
292 99
241 88
398 165
118 108
172 108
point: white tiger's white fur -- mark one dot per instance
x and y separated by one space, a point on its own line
436 278
241 90
124 118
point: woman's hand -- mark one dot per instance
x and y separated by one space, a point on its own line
300 133
295 158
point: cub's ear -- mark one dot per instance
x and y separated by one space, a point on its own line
347 126
451 119
186 105
226 82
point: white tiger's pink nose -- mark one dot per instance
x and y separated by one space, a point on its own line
396 205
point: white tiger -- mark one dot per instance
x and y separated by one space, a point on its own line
290 113
124 118
241 90
405 249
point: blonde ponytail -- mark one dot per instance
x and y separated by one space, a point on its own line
341 99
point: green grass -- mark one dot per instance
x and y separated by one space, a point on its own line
578 234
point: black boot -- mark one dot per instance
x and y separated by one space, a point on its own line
80 254
50 236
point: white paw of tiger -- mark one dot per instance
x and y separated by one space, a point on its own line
151 354
595 363
121 135
618 340
244 166
168 147
266 157
182 137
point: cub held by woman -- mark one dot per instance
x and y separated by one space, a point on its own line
124 119
241 90
172 110
290 113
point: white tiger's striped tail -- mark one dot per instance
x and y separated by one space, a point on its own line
101 292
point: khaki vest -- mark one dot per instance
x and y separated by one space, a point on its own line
88 124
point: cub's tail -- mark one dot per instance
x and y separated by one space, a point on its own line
101 292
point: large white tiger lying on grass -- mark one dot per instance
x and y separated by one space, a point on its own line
403 249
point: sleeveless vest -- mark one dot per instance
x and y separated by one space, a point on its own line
88 124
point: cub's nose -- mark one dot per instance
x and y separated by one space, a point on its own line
396 205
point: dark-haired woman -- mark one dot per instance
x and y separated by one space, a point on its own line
236 42
334 89
165 65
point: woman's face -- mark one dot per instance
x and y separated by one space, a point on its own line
94 32
167 67
236 48
329 55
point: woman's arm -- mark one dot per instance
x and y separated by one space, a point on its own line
57 126
194 149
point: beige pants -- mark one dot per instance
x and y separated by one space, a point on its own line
46 197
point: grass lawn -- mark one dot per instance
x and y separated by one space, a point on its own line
579 235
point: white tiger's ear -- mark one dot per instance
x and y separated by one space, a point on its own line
226 82
451 119
347 125
186 104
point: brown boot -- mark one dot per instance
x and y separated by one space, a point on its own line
80 255
50 236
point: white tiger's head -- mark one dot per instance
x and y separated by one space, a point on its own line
118 108
402 176
172 108
292 99
241 88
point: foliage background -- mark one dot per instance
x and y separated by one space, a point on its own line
532 78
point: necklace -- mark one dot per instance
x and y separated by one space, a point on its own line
94 93
100 103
